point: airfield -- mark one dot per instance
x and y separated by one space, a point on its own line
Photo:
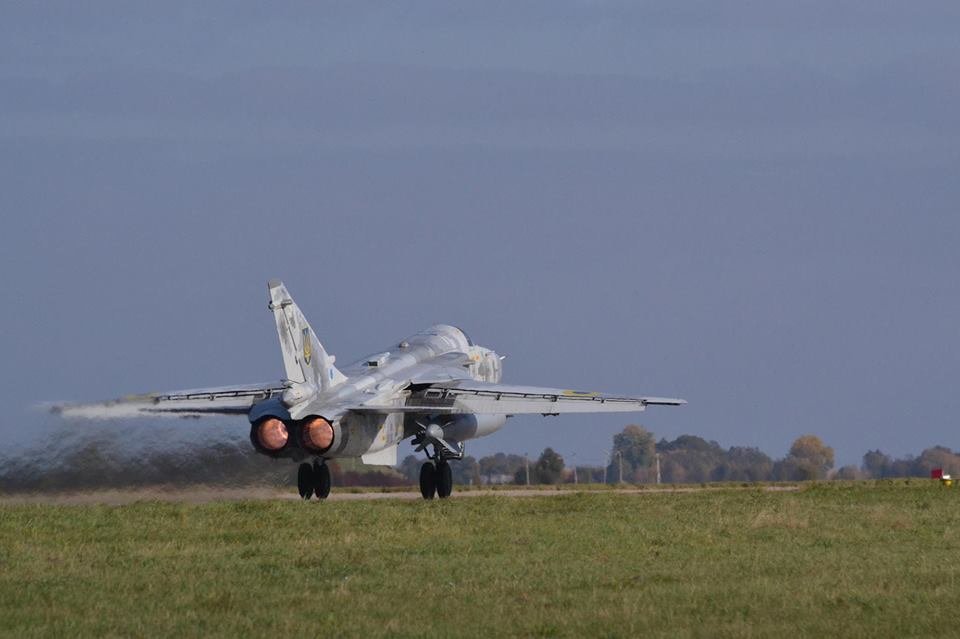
832 558
207 494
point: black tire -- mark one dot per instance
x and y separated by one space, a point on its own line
444 480
305 481
321 480
428 480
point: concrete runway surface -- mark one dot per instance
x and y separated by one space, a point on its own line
207 494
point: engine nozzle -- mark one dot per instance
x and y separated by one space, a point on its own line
272 434
316 434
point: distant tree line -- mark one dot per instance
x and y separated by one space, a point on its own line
636 457
94 460
878 465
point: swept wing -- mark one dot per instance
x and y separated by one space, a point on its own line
196 402
468 396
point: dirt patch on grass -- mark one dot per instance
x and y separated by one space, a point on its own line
786 517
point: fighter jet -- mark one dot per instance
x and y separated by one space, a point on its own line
436 387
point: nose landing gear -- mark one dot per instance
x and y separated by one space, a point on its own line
428 480
444 479
436 478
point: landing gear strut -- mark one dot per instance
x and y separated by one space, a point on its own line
314 479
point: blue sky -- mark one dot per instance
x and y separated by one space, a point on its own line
751 205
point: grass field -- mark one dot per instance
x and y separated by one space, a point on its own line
830 560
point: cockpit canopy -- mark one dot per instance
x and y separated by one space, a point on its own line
464 333
456 337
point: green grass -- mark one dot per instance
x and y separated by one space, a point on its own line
831 560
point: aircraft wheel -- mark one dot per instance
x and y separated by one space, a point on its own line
321 479
444 480
428 480
305 481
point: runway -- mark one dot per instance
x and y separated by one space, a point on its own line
210 494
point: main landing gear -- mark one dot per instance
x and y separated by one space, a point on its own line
436 478
314 479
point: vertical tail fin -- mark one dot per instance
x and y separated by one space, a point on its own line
304 357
